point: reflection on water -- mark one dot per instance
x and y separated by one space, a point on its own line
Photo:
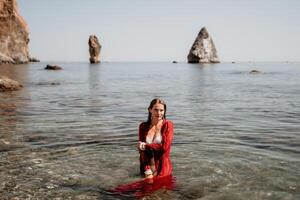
10 104
72 133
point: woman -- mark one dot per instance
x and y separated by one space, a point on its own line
155 138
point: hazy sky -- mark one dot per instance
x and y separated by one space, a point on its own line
162 30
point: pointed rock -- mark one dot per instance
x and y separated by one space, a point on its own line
94 48
203 49
14 37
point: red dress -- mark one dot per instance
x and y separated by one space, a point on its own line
160 151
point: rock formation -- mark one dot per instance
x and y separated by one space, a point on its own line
53 67
32 59
94 48
13 34
7 84
203 49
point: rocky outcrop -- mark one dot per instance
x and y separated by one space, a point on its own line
53 67
203 49
32 59
13 34
94 49
7 84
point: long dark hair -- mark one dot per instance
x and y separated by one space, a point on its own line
152 103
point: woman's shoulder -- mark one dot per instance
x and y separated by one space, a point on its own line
144 125
168 123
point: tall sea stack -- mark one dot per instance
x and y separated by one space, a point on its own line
14 37
94 49
203 49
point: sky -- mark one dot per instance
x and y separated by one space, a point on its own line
162 30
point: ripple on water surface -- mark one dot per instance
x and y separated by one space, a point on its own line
72 134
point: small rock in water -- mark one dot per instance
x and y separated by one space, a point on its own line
53 67
292 188
7 84
50 186
4 142
255 71
37 161
32 59
50 172
73 150
48 83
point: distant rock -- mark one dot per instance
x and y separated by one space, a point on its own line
48 83
255 71
7 84
94 49
53 67
14 37
32 59
203 49
174 61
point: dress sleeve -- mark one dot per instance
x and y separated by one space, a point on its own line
167 139
140 132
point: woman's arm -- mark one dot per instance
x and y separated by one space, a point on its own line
141 137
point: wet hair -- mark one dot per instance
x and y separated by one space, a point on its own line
152 103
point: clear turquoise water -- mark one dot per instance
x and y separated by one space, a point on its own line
73 133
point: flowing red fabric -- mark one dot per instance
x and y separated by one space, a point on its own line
161 153
144 187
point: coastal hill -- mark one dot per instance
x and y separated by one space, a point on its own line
14 37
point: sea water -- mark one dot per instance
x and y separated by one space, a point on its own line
72 134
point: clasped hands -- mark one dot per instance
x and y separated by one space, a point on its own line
141 146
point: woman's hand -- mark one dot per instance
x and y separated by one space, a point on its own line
141 146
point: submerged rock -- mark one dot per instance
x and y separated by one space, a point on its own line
6 145
14 37
255 71
94 49
7 84
53 67
203 49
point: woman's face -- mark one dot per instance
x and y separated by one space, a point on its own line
157 111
